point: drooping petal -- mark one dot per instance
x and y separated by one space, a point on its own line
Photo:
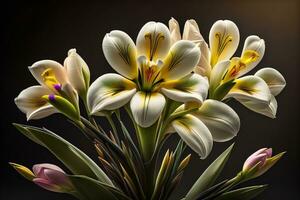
250 88
153 41
195 134
109 92
253 52
78 71
174 30
192 33
268 110
220 119
30 101
49 73
224 38
181 60
217 74
273 78
193 87
147 107
120 52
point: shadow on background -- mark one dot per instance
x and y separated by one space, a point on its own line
32 32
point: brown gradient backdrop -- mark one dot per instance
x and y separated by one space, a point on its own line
32 32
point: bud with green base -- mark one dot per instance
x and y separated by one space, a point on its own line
64 106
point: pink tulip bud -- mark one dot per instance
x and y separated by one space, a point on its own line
51 177
260 162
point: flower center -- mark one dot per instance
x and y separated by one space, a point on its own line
149 76
239 64
50 80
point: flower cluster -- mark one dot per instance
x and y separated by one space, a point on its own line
167 83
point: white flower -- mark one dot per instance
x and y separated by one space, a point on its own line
56 92
150 70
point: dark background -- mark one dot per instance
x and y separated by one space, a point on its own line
32 32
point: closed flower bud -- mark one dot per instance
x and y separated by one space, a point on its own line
47 176
78 72
51 177
260 162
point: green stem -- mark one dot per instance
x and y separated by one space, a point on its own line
113 126
147 138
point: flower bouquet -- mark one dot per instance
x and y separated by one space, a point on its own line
165 83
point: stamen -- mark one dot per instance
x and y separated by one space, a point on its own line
57 87
51 97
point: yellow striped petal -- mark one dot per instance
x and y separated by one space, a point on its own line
181 60
195 134
147 107
153 41
30 102
120 52
109 92
250 88
224 38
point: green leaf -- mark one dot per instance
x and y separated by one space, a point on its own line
91 189
72 157
246 193
210 175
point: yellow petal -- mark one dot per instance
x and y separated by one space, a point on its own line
24 171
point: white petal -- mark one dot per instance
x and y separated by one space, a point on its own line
39 67
268 110
174 30
193 87
147 107
250 88
120 52
221 120
153 41
224 39
253 52
273 78
192 33
181 60
217 74
195 134
109 92
77 70
30 101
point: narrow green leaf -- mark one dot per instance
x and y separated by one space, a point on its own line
91 189
72 157
246 193
210 175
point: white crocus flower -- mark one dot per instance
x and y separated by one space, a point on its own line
35 101
150 70
224 72
213 121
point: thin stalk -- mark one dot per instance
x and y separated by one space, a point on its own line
113 126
